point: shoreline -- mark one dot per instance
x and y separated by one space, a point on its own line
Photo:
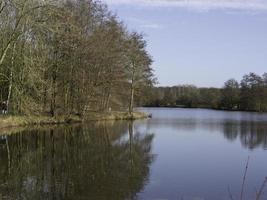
203 107
12 121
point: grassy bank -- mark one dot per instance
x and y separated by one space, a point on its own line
18 121
115 115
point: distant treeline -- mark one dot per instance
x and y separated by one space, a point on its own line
248 95
71 56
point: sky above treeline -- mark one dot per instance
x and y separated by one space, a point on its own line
200 42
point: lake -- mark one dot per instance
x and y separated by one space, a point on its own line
179 154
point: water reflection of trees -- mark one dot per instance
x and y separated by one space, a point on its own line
252 134
89 162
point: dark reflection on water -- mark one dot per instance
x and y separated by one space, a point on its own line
199 154
79 162
203 152
251 134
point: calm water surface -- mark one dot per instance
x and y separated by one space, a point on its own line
189 154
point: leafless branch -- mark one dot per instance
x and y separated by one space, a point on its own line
259 194
244 180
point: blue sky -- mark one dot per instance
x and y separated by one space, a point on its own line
200 42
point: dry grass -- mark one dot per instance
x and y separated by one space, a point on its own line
115 115
17 121
20 121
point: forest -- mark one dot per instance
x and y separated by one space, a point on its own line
250 94
69 57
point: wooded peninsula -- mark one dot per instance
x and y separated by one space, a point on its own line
69 58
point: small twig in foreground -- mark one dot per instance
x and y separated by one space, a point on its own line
261 189
244 180
230 194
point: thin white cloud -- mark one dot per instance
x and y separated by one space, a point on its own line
152 26
255 5
145 23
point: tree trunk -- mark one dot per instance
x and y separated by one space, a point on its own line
4 53
44 98
132 93
9 90
131 100
10 79
53 100
107 102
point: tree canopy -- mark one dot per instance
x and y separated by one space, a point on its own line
248 95
63 57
